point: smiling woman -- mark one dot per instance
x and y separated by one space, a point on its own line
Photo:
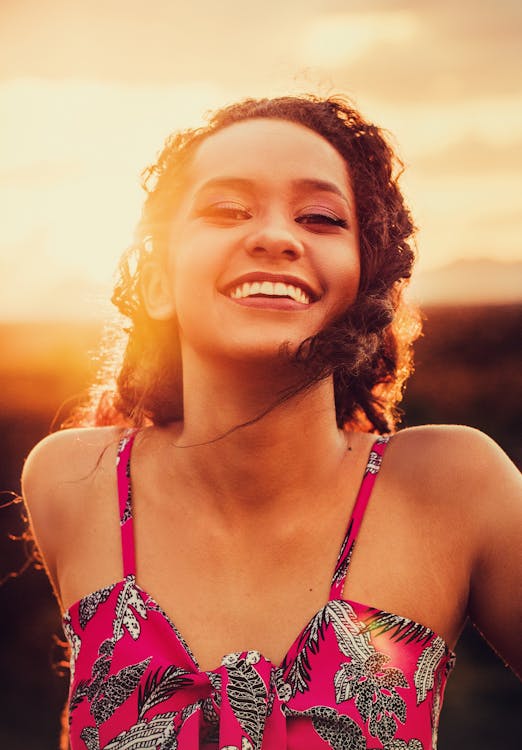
210 507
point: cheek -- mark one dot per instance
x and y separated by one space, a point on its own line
346 276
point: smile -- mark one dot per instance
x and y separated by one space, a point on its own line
269 289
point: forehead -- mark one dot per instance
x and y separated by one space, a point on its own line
268 149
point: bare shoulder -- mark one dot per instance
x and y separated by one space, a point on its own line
457 456
461 470
476 490
66 456
63 472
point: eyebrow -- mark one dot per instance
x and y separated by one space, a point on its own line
243 183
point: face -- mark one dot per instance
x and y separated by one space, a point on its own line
264 244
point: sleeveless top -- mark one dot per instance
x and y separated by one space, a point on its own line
354 678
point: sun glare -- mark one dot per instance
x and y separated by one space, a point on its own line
70 181
340 38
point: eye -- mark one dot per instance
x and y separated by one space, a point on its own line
322 218
226 211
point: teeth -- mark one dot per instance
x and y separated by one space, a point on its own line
270 289
266 288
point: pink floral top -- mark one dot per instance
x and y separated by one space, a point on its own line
354 678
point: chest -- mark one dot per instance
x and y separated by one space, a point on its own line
258 590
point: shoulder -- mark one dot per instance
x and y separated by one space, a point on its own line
453 453
62 476
475 493
65 456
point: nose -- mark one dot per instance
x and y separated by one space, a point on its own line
275 236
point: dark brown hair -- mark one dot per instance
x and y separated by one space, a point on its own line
367 350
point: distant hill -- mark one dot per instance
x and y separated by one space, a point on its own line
470 282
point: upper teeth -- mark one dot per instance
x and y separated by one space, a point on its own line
272 289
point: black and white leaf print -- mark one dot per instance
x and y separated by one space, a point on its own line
427 664
343 684
91 738
90 603
100 670
247 696
394 704
340 570
372 686
399 628
129 602
81 691
413 744
364 698
74 642
383 726
127 511
215 681
210 728
159 686
299 674
146 734
351 638
116 689
374 463
339 731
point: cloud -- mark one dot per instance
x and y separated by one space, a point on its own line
400 50
155 42
473 155
457 52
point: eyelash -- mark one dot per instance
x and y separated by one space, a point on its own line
236 212
322 219
231 211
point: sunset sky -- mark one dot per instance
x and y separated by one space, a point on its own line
88 91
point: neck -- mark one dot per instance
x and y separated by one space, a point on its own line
245 461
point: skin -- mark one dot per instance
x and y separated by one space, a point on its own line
237 539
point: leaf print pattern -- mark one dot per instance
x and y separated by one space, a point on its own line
298 676
427 664
375 459
116 689
355 678
245 745
159 686
129 602
352 639
373 688
247 695
343 560
74 642
90 737
90 603
398 628
146 734
340 732
402 745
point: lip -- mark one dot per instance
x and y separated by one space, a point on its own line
312 293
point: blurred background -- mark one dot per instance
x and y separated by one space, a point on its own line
88 92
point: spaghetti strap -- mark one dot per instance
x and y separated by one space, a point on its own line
356 518
125 502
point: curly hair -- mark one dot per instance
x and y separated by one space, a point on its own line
368 350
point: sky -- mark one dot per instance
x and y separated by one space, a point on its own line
88 92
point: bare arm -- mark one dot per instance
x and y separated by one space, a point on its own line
61 483
495 603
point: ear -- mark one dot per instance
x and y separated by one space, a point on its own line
157 292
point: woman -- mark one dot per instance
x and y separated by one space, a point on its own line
268 346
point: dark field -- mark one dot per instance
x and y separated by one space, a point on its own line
468 371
